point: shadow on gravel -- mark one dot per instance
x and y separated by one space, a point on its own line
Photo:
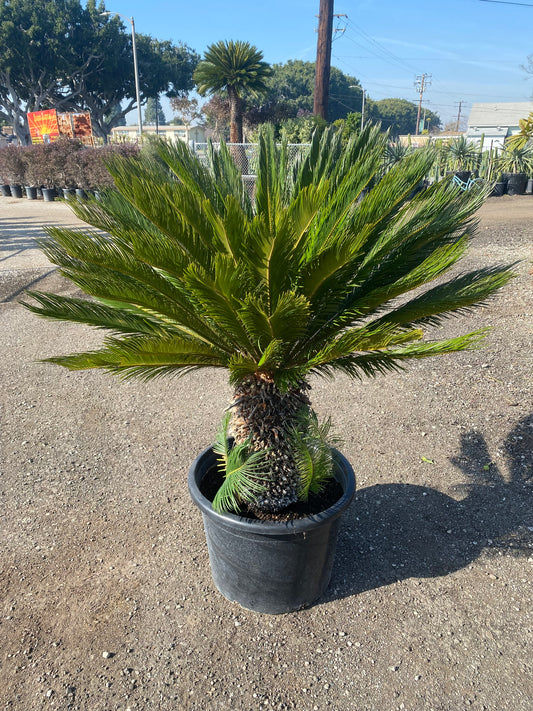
15 285
398 531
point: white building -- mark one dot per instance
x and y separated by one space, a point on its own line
169 132
496 121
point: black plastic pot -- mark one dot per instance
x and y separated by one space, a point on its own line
69 193
464 175
31 192
16 190
49 194
516 185
271 566
498 190
5 191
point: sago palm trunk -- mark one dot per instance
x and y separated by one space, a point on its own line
264 415
235 103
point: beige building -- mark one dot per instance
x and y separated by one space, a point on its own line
171 133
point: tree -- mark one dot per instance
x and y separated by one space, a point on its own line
291 88
114 117
217 113
188 110
153 113
163 68
232 68
58 54
309 278
398 115
38 39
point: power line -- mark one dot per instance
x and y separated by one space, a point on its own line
507 2
375 47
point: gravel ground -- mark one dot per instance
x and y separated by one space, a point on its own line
106 599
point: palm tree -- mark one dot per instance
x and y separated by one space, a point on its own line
232 67
304 280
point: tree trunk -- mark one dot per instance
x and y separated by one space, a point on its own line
238 152
265 415
235 102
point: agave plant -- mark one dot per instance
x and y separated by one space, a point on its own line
461 154
187 271
395 152
515 159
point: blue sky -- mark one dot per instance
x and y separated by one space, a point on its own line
472 49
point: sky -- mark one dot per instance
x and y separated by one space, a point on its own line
471 51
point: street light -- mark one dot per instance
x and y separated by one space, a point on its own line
135 68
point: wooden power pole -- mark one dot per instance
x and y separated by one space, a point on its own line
421 85
323 58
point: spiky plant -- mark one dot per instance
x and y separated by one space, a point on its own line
187 272
461 154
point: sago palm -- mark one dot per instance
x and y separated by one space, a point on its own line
234 68
187 272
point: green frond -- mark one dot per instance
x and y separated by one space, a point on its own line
218 303
371 337
64 308
234 63
242 471
305 278
382 362
145 357
227 177
312 444
458 295
286 323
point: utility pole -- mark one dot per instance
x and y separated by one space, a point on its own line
421 85
323 58
458 116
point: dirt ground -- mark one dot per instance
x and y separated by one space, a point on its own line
106 599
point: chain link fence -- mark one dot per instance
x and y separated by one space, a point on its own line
246 156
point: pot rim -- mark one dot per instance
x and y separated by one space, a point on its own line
301 525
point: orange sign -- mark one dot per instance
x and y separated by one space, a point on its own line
47 126
43 126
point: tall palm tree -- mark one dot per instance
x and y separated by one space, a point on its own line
232 67
304 280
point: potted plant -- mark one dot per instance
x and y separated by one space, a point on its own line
515 163
30 156
303 280
5 190
462 157
14 168
44 168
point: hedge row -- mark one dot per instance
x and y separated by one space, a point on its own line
66 163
